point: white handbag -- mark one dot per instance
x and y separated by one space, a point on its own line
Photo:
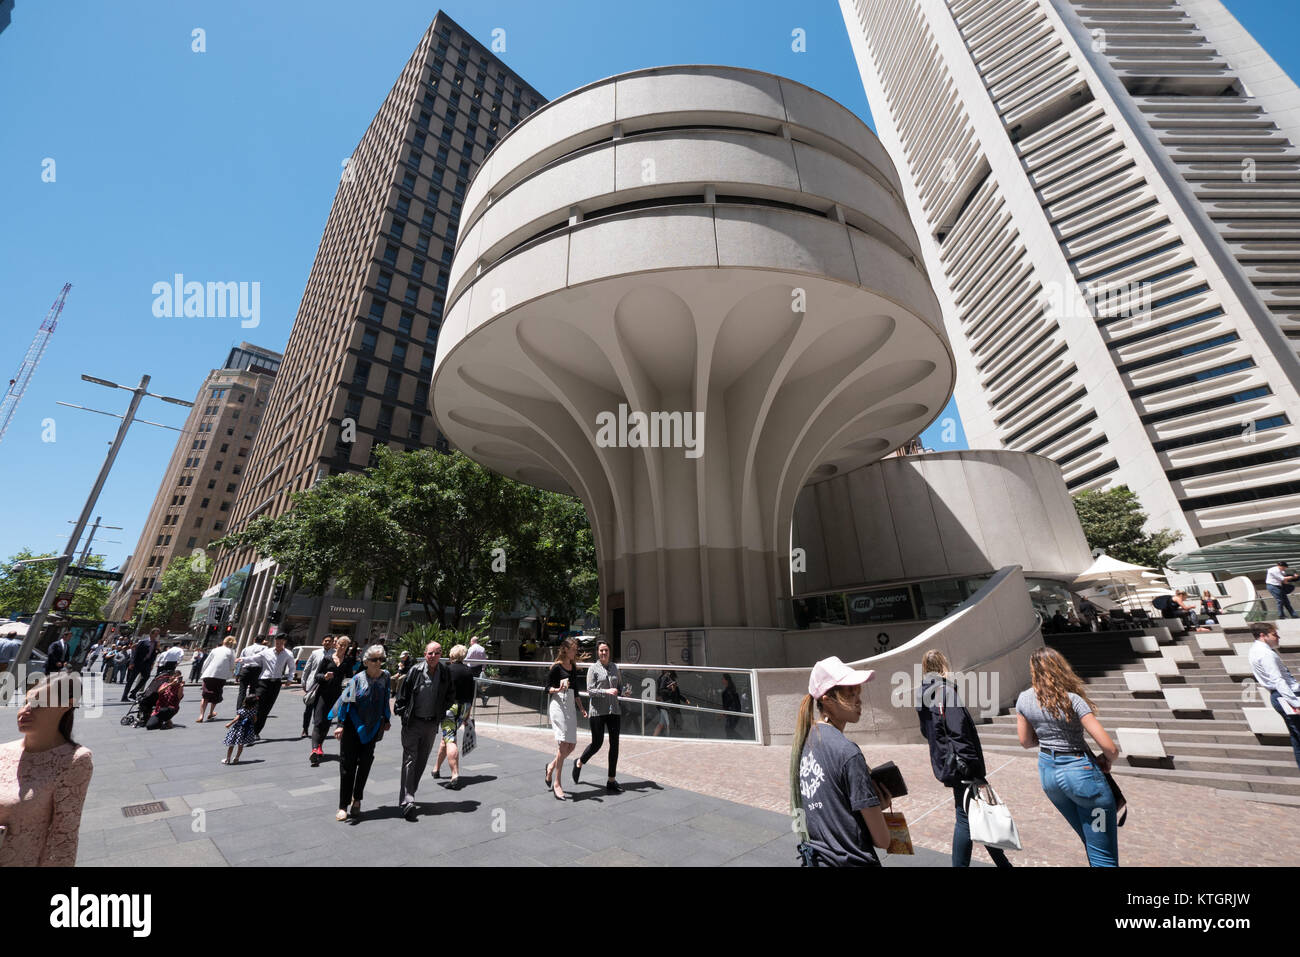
466 738
990 819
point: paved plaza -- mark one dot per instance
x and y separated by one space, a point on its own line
275 809
686 803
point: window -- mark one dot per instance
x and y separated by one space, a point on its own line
218 526
422 394
224 446
384 282
228 432
385 418
225 506
431 333
368 340
212 483
377 311
237 470
191 542
416 427
353 408
422 244
231 487
417 268
393 383
204 503
404 322
408 182
390 254
361 375
396 230
399 353
412 296
426 364
403 206
216 467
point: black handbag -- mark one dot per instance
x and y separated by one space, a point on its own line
1121 804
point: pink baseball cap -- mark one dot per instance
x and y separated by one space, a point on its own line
831 672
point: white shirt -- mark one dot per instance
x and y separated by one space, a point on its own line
1272 674
1276 576
220 663
252 655
476 653
172 655
276 665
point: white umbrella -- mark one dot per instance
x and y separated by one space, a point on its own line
1124 579
14 628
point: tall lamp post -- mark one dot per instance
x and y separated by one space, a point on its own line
47 602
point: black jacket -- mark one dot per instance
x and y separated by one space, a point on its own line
415 680
955 751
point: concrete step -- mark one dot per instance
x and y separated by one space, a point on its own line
1229 780
1174 737
1243 760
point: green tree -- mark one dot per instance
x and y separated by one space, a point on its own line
1113 519
458 536
557 576
181 585
21 589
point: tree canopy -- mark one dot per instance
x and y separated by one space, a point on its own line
21 589
181 585
1113 520
461 538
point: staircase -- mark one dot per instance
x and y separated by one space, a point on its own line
1218 750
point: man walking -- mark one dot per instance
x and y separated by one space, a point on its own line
170 659
142 658
476 661
278 663
1274 676
56 656
1278 582
249 666
421 705
309 671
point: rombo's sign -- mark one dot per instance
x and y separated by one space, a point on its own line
885 604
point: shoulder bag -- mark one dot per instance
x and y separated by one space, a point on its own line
1121 805
990 819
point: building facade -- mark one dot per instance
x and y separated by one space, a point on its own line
1105 194
204 476
357 367
681 294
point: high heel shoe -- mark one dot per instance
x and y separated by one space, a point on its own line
548 777
559 795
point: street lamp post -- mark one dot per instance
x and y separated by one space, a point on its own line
60 570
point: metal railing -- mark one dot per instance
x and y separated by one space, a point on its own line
513 694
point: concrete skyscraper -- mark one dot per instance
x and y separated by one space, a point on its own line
357 367
205 473
1106 197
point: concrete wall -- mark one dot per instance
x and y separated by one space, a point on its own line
990 638
936 515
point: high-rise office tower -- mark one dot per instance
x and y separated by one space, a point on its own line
203 478
1108 197
357 368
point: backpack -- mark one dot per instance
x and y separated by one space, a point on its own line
955 754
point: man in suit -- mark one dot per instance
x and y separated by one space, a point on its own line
142 658
56 656
422 704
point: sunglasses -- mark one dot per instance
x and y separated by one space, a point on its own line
374 661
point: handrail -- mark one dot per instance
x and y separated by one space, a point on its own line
627 697
641 666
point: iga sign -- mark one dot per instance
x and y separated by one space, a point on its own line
884 604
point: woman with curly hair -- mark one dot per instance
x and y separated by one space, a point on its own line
1052 716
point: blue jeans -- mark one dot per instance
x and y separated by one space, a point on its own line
1079 791
1283 601
1292 725
961 842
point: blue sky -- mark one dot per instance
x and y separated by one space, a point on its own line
222 165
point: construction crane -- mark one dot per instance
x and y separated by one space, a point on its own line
18 384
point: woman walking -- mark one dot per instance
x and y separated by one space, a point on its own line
603 682
1052 716
562 710
836 804
956 755
462 699
335 668
363 714
218 668
196 665
44 776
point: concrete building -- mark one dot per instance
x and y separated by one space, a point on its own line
1104 195
681 294
204 476
357 367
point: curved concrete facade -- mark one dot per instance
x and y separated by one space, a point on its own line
720 245
939 514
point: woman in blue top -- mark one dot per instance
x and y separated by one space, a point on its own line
363 717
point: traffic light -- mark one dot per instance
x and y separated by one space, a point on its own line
273 616
278 594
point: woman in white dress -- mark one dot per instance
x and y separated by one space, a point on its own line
563 707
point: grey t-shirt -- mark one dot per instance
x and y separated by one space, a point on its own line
834 785
598 676
1052 732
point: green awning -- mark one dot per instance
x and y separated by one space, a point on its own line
1245 555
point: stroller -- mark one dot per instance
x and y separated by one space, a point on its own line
142 707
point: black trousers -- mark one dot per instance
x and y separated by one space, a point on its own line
268 689
355 759
599 725
308 712
247 679
138 678
320 718
164 715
